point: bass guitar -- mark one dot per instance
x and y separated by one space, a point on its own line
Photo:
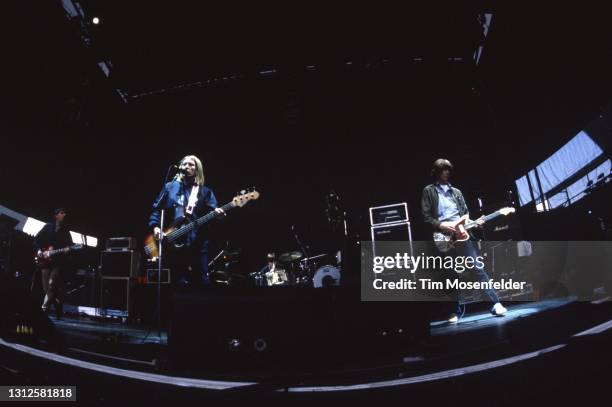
182 226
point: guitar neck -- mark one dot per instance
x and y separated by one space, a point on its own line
62 250
212 214
487 218
197 223
56 251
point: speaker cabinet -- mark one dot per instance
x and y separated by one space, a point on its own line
115 295
119 263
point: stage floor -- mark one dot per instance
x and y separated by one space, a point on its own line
476 336
478 343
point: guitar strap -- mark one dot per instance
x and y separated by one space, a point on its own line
193 199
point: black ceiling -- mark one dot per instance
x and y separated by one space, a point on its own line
544 75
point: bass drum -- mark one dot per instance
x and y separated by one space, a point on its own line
326 276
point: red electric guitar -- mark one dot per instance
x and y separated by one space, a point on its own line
446 241
45 257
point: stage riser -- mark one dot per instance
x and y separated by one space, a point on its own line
298 327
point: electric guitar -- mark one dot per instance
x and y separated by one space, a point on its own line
182 226
446 241
45 257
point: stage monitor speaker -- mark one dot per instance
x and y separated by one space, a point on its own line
119 263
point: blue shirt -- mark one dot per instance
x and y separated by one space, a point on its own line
447 204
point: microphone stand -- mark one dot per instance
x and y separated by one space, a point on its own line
158 206
302 248
299 242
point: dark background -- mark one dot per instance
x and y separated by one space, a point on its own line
369 129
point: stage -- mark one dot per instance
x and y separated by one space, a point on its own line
530 334
291 202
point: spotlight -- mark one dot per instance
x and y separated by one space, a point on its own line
95 20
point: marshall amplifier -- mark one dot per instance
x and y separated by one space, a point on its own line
392 233
382 215
120 244
503 228
397 232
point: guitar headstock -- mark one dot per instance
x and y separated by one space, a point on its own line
245 196
507 210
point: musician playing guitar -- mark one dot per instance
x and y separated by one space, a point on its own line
187 196
445 210
53 237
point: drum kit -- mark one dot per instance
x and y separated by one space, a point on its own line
293 269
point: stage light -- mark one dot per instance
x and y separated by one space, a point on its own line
32 226
234 344
95 20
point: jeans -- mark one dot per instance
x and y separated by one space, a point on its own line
469 249
54 289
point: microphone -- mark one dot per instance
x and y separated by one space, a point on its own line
178 167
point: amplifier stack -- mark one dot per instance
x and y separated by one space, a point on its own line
119 265
390 223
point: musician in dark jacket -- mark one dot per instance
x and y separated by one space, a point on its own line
441 205
53 235
186 196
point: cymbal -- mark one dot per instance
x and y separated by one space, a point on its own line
223 275
290 256
219 273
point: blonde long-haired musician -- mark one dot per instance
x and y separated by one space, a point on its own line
186 196
191 161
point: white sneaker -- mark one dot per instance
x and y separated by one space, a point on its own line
453 319
498 310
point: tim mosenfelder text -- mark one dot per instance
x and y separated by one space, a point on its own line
458 264
448 284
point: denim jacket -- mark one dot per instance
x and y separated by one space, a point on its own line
173 198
